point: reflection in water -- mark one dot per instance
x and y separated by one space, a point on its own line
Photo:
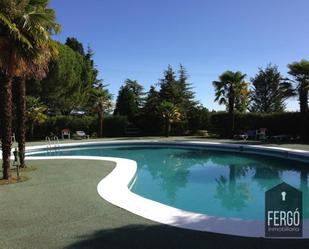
234 181
304 181
223 184
171 171
304 188
233 195
267 177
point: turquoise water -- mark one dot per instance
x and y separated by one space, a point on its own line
224 184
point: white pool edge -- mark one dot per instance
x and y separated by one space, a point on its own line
114 188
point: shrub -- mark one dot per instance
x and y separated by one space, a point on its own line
179 128
276 123
55 124
112 126
198 119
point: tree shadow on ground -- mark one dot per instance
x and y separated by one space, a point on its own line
162 236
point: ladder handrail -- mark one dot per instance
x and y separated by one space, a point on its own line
47 140
56 139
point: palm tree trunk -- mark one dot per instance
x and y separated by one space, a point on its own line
100 115
6 123
231 117
167 128
303 98
21 118
232 177
303 102
31 129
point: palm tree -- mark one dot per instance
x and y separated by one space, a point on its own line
25 29
170 113
13 45
300 71
233 194
41 23
35 113
229 90
101 103
36 70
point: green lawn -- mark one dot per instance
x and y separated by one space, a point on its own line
60 208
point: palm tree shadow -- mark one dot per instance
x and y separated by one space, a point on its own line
162 236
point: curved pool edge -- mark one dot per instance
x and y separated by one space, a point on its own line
287 153
114 188
121 177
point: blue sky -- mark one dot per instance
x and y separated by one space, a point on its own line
138 39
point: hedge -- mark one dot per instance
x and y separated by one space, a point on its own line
276 123
216 122
112 125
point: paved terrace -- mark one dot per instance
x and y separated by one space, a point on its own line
60 208
299 146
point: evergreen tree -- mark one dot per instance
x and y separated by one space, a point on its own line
63 89
177 91
75 45
96 82
186 94
71 77
89 75
270 91
169 89
152 101
151 121
129 100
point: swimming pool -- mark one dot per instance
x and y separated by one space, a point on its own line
214 180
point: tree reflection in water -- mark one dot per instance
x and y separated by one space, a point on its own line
305 189
233 179
233 194
267 176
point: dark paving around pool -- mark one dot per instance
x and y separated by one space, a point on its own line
60 208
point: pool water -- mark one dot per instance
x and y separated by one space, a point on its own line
222 184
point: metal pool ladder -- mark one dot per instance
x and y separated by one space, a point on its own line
52 143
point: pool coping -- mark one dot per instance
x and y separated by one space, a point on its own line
114 188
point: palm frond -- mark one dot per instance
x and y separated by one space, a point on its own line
222 101
14 31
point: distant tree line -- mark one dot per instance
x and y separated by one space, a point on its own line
268 93
72 85
170 101
169 106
